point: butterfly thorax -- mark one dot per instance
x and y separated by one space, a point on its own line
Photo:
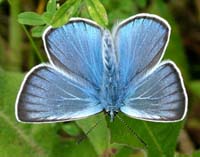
109 95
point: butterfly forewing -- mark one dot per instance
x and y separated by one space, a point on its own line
77 47
140 42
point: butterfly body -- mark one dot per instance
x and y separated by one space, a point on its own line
110 98
92 69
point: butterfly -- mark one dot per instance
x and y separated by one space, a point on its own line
92 69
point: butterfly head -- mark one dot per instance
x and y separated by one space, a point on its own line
112 111
112 115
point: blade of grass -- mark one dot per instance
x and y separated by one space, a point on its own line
15 37
33 43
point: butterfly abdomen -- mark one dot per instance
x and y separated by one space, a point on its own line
109 94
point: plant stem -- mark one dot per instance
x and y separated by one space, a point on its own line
33 44
15 37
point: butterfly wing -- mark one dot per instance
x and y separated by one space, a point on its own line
149 94
140 43
48 94
77 47
160 96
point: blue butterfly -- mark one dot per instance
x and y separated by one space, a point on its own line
92 70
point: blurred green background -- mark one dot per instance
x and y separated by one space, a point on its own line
21 48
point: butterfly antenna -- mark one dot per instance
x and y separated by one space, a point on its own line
132 131
83 137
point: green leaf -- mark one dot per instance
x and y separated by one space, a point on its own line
63 14
37 31
71 129
84 149
51 10
160 137
47 17
121 134
30 18
51 6
99 136
97 11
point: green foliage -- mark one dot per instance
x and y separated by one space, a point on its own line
15 37
159 137
196 153
30 18
141 3
51 6
119 10
57 17
33 43
97 11
62 15
71 129
98 122
38 30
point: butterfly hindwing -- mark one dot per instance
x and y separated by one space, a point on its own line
159 96
49 95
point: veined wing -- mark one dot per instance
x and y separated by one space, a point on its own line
48 95
160 96
140 43
77 47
